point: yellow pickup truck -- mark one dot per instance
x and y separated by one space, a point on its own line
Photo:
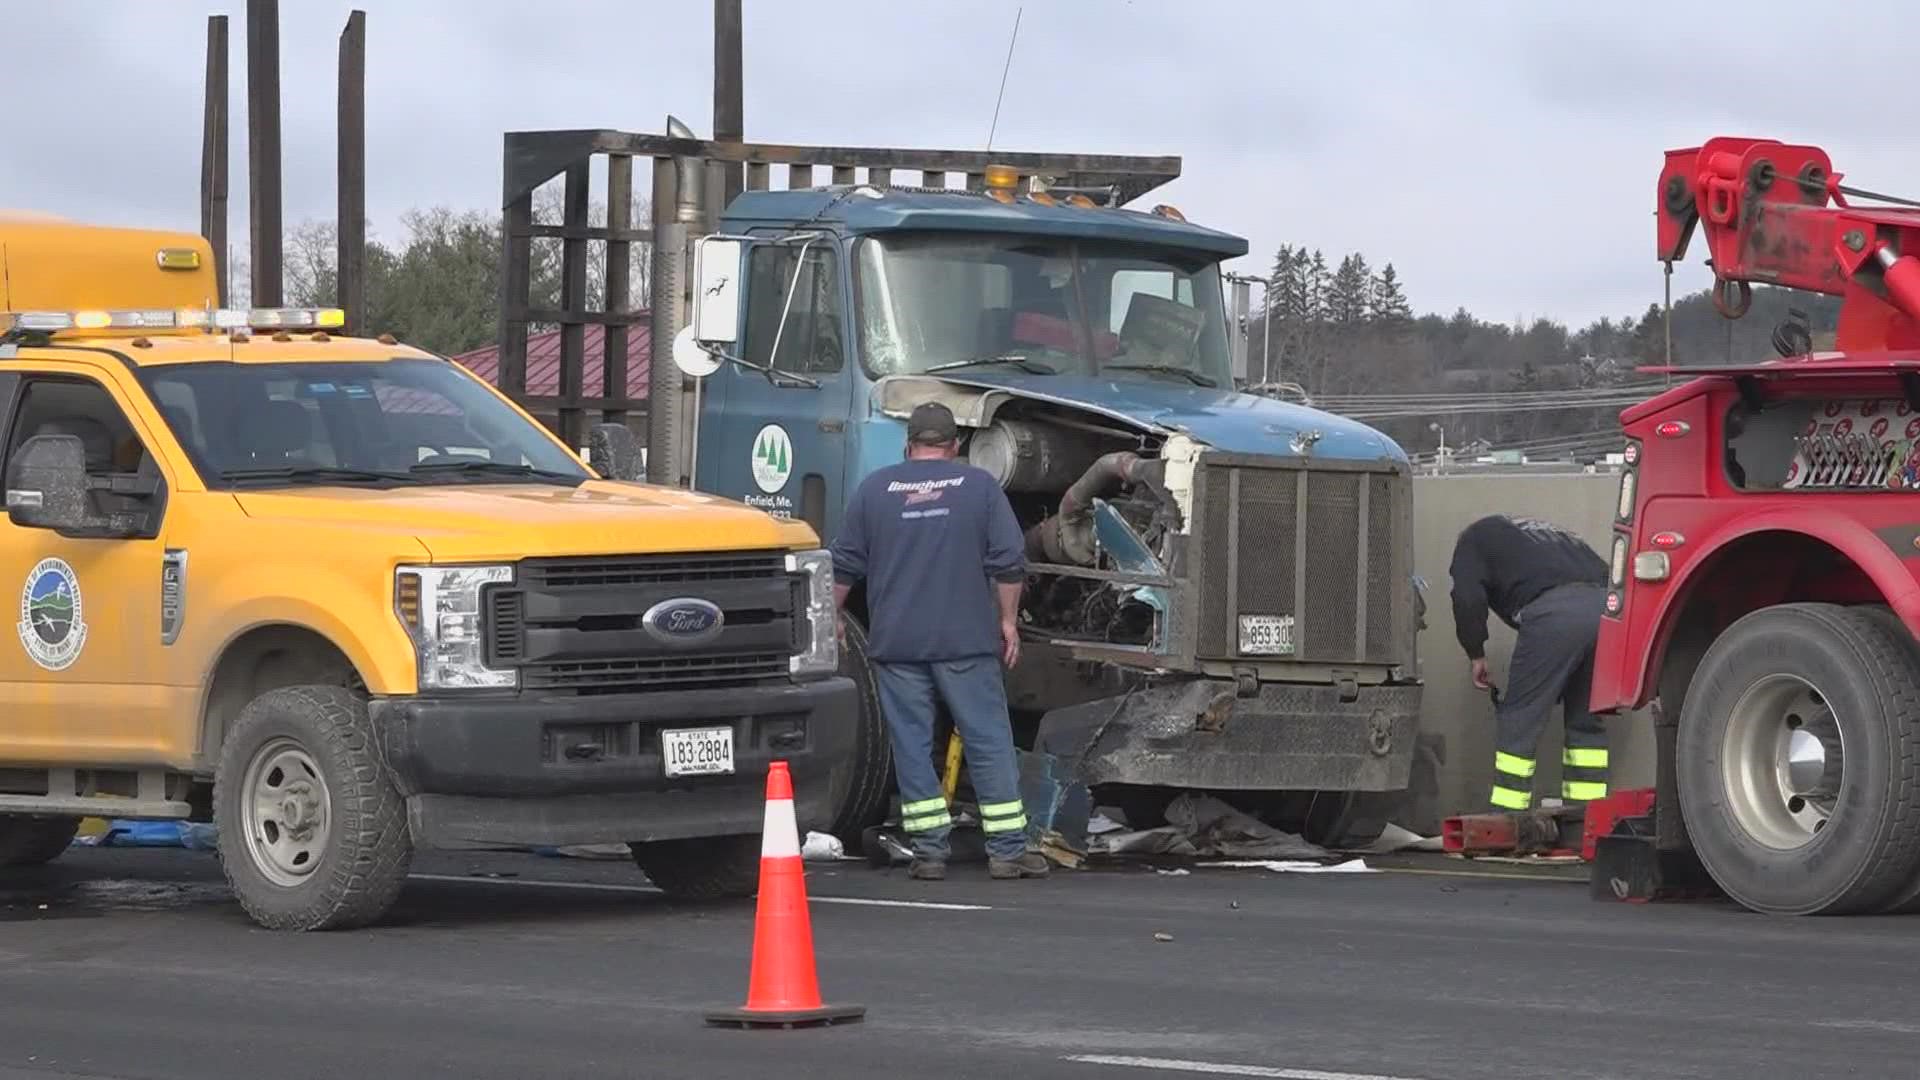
343 598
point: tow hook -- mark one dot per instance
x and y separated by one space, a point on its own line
1379 734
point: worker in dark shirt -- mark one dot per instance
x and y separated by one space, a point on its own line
1548 585
942 556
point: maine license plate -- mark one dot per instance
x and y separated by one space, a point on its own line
698 751
1266 635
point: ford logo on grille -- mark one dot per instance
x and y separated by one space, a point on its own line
683 621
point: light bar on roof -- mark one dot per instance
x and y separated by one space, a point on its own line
182 318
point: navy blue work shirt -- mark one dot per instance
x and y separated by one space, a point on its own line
930 536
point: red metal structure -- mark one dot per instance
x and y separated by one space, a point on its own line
1764 593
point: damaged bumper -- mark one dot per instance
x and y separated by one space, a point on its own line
1200 734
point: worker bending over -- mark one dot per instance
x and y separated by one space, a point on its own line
1548 585
942 557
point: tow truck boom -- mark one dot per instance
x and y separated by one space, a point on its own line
1778 214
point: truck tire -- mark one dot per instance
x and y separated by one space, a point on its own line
312 832
1349 819
870 774
1787 703
33 840
702 867
1907 900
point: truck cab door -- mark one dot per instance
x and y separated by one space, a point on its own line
84 673
780 444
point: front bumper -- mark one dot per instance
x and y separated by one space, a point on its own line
1199 733
530 771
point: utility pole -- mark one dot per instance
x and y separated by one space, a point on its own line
263 149
728 94
213 157
351 224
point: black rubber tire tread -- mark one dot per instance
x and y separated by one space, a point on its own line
870 783
702 867
1907 900
1875 852
34 839
371 850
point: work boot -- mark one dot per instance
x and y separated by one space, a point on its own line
1031 864
927 870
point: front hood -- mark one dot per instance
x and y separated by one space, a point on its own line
474 522
1224 419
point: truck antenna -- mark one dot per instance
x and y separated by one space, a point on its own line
1008 66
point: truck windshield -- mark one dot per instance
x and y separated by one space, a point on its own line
398 421
943 301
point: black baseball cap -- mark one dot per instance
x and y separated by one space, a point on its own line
932 425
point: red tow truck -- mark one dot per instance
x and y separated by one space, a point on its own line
1764 599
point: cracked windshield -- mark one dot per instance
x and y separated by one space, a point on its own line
1048 307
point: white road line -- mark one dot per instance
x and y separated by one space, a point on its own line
594 886
1221 1068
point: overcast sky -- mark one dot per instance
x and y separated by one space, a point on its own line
1502 155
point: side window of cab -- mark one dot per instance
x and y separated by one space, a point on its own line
124 485
810 335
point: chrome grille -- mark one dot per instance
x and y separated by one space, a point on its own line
1327 546
572 626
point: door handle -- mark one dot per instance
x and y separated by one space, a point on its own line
833 427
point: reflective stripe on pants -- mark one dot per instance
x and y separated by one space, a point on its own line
976 697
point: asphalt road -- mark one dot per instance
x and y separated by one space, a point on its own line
137 964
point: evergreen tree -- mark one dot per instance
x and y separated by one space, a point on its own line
1347 297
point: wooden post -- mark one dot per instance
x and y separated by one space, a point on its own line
213 155
573 307
263 150
351 224
728 94
619 299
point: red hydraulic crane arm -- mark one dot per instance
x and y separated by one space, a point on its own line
1778 214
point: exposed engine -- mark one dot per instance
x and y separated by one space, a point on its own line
1087 495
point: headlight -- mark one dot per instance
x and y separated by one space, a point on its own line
822 654
440 607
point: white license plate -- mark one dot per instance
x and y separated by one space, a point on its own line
698 751
1266 635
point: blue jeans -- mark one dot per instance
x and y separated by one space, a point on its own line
976 697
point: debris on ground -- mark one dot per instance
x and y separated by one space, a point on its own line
1100 823
1204 825
1178 871
1163 936
822 847
1394 838
1059 852
1293 866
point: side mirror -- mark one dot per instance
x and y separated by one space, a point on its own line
614 452
716 295
47 488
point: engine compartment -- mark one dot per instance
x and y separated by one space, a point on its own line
1089 494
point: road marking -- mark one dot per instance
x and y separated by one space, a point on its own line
1494 875
595 886
1870 1025
1221 1068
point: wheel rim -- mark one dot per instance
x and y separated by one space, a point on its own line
1783 763
286 812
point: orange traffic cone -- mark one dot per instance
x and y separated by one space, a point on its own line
782 991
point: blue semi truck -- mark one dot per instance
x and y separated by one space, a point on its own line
1221 592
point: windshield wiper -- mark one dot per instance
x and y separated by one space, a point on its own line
1166 369
493 468
319 474
1033 367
